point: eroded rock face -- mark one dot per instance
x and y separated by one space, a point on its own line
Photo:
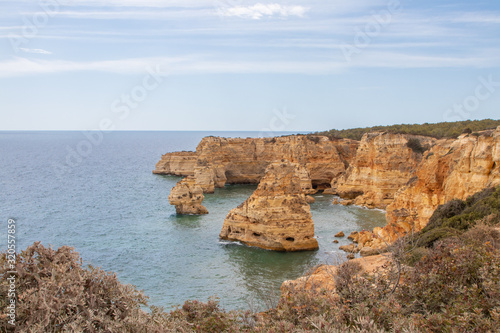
383 164
452 169
276 216
218 161
187 197
177 164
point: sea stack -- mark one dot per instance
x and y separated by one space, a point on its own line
187 196
276 216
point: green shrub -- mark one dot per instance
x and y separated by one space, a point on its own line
457 216
415 255
415 145
438 130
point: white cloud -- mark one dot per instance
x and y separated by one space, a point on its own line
260 10
37 51
185 65
201 65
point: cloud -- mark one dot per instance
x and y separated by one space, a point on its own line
37 51
195 65
182 65
258 11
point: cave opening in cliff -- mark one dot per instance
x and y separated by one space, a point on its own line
290 239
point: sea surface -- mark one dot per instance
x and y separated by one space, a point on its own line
98 194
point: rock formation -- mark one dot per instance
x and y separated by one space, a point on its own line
323 278
187 197
381 171
218 161
276 216
452 169
310 199
383 164
177 164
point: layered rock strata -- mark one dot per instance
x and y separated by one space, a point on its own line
381 171
452 169
384 163
219 161
187 197
177 164
276 216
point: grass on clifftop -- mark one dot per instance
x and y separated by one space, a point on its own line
438 130
446 284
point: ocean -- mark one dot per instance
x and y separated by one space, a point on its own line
96 193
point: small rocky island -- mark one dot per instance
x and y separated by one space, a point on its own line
276 216
187 196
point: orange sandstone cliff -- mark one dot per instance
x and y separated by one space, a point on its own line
219 161
451 169
380 171
276 216
187 197
383 164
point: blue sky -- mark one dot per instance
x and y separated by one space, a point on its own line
246 65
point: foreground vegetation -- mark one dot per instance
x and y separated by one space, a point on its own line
438 130
444 279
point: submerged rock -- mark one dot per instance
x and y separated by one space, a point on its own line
351 248
187 196
276 216
310 199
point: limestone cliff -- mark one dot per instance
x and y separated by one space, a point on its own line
383 164
276 216
382 171
452 169
219 161
187 197
177 164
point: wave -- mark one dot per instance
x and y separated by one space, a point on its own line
227 242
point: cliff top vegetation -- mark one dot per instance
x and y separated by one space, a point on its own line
437 130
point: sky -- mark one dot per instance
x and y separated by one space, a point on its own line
235 65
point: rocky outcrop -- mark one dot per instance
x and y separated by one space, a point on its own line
177 164
452 169
323 277
384 163
382 171
310 199
219 161
276 216
187 197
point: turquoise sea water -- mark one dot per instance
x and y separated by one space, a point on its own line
115 213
